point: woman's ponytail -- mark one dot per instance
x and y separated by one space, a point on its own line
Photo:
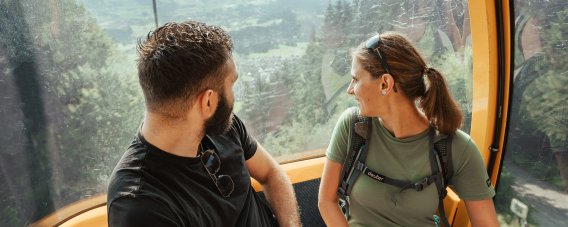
438 104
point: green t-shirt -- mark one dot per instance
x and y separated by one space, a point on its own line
373 203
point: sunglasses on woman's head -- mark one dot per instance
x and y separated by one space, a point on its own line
212 163
373 45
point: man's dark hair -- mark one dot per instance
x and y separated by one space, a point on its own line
180 60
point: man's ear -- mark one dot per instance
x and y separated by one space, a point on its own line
208 101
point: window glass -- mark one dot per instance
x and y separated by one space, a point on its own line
292 96
70 102
535 174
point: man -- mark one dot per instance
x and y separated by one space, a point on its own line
191 162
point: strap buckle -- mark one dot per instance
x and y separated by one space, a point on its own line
341 192
420 185
361 166
344 206
342 202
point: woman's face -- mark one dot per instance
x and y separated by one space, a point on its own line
365 88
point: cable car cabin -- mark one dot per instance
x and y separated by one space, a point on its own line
71 103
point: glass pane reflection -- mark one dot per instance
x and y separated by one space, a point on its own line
535 168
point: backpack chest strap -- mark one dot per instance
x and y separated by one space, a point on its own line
417 185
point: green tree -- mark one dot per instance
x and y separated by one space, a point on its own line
543 81
79 107
27 81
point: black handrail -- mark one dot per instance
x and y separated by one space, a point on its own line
494 148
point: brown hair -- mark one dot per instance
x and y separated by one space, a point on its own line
178 61
409 69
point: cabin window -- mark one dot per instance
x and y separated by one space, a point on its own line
70 102
292 91
534 177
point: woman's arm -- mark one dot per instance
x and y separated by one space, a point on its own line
327 197
481 212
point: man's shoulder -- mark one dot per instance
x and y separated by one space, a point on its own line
140 210
125 179
132 197
237 126
237 137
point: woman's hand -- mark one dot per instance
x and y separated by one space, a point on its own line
481 213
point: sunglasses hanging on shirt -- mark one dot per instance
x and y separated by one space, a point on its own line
212 164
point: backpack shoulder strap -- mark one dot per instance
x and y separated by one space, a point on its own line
441 163
359 133
359 128
443 146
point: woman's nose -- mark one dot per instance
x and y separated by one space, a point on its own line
350 88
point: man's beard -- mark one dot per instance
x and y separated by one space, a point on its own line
222 119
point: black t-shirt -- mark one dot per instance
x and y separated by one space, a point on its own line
150 187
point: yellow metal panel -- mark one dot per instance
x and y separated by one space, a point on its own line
451 204
94 218
484 45
462 219
72 210
485 87
485 72
299 171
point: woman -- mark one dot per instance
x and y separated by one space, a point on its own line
392 84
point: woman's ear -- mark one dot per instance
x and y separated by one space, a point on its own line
387 83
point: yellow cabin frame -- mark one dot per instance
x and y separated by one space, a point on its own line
92 211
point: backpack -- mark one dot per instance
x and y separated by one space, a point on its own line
354 164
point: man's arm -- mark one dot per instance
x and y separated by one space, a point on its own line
276 186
